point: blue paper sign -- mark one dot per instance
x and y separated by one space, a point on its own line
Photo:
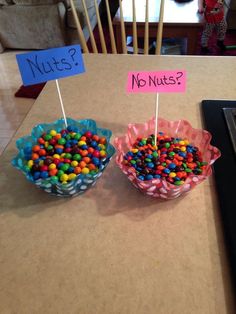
45 65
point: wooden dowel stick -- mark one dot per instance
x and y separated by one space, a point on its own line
160 28
61 103
146 31
135 40
122 24
113 43
156 118
92 39
79 28
101 34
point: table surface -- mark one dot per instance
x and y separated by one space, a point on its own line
174 12
112 249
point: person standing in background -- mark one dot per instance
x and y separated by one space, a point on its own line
214 18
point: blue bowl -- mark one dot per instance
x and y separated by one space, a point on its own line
82 182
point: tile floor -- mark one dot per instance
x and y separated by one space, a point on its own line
12 109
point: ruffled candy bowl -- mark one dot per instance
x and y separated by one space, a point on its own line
82 182
159 187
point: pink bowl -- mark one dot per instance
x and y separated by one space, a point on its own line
160 188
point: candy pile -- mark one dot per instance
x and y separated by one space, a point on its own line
173 159
62 156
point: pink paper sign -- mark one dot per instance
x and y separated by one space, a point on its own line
157 82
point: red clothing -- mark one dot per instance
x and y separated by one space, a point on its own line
214 11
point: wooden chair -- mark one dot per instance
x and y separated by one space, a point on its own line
123 35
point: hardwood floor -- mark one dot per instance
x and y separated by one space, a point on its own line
12 109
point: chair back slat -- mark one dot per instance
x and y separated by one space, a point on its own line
122 24
101 34
92 39
112 37
146 30
135 39
120 29
79 28
160 28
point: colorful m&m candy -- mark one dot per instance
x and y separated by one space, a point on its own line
62 155
171 159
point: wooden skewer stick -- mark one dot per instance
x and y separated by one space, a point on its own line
146 31
79 28
156 118
101 34
135 40
61 103
160 29
92 39
113 43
